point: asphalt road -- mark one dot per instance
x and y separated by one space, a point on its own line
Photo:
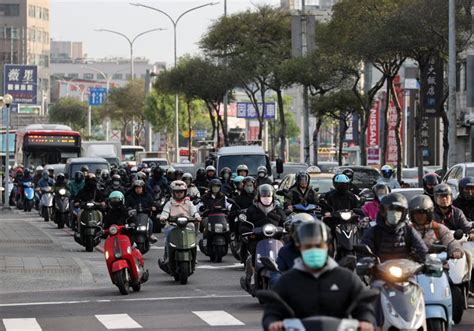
55 298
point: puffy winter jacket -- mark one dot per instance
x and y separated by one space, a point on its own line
371 209
467 207
287 256
453 219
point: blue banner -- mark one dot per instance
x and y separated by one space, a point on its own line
21 81
247 110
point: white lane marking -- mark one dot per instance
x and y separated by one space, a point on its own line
156 247
118 321
215 266
21 324
212 296
218 318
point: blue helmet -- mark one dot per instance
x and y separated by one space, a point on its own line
341 182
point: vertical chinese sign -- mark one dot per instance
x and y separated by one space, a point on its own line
392 117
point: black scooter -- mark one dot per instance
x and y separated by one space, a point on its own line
89 226
61 212
144 228
216 234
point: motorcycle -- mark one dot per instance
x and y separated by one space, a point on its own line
19 200
436 290
460 277
159 201
216 235
46 202
141 235
61 208
124 262
181 250
89 225
268 245
401 303
320 323
236 239
28 196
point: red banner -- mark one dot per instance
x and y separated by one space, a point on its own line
373 126
392 150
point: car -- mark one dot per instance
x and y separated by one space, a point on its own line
320 181
364 176
327 166
94 163
456 173
58 167
410 176
290 168
409 193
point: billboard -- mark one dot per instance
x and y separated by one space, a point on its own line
247 110
21 81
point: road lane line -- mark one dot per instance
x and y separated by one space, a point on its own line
216 266
45 303
21 324
218 318
118 321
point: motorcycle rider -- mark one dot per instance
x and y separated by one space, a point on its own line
170 174
247 195
242 170
317 285
339 198
45 180
350 174
262 176
178 205
157 178
371 208
85 170
387 177
392 237
301 192
421 210
227 186
465 200
210 174
60 183
200 181
37 176
76 185
105 178
429 182
116 212
192 191
178 174
90 192
445 213
115 185
238 185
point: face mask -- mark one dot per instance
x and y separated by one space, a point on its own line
394 216
315 258
226 176
215 189
266 201
261 175
249 189
116 183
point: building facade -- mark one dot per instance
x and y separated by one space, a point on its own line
66 51
25 39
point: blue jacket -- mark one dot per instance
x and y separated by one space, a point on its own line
286 256
46 182
400 242
162 183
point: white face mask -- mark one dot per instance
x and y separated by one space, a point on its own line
394 217
266 201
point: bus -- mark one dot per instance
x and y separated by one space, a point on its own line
129 153
40 144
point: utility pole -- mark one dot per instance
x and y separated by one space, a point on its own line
304 50
452 85
226 96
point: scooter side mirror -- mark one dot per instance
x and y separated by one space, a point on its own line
269 263
132 212
458 234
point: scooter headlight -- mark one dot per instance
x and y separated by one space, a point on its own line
142 228
395 271
62 191
218 228
182 221
129 250
107 255
269 230
346 216
113 230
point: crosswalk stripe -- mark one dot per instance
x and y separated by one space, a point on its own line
118 321
218 318
21 324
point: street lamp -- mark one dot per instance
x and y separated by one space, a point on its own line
108 78
130 42
7 100
175 23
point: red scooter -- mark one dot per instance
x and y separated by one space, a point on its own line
124 262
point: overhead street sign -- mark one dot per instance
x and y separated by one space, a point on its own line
97 96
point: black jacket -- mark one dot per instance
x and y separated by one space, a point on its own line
467 207
329 294
296 196
256 216
334 201
454 219
245 200
89 194
116 216
211 202
134 200
400 242
264 180
287 255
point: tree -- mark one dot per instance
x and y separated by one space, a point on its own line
255 44
71 111
125 105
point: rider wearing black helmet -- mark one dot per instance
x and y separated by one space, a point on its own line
392 237
301 192
465 200
90 192
340 197
139 198
429 182
214 199
317 285
247 195
77 184
445 213
242 170
262 176
227 187
157 178
115 185
350 174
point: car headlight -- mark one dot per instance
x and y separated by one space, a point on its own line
182 221
62 191
396 271
346 216
218 228
113 230
269 230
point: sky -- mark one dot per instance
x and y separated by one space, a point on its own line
76 20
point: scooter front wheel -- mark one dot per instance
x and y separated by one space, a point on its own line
121 280
183 272
458 303
435 324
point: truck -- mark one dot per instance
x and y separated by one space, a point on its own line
109 150
252 156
